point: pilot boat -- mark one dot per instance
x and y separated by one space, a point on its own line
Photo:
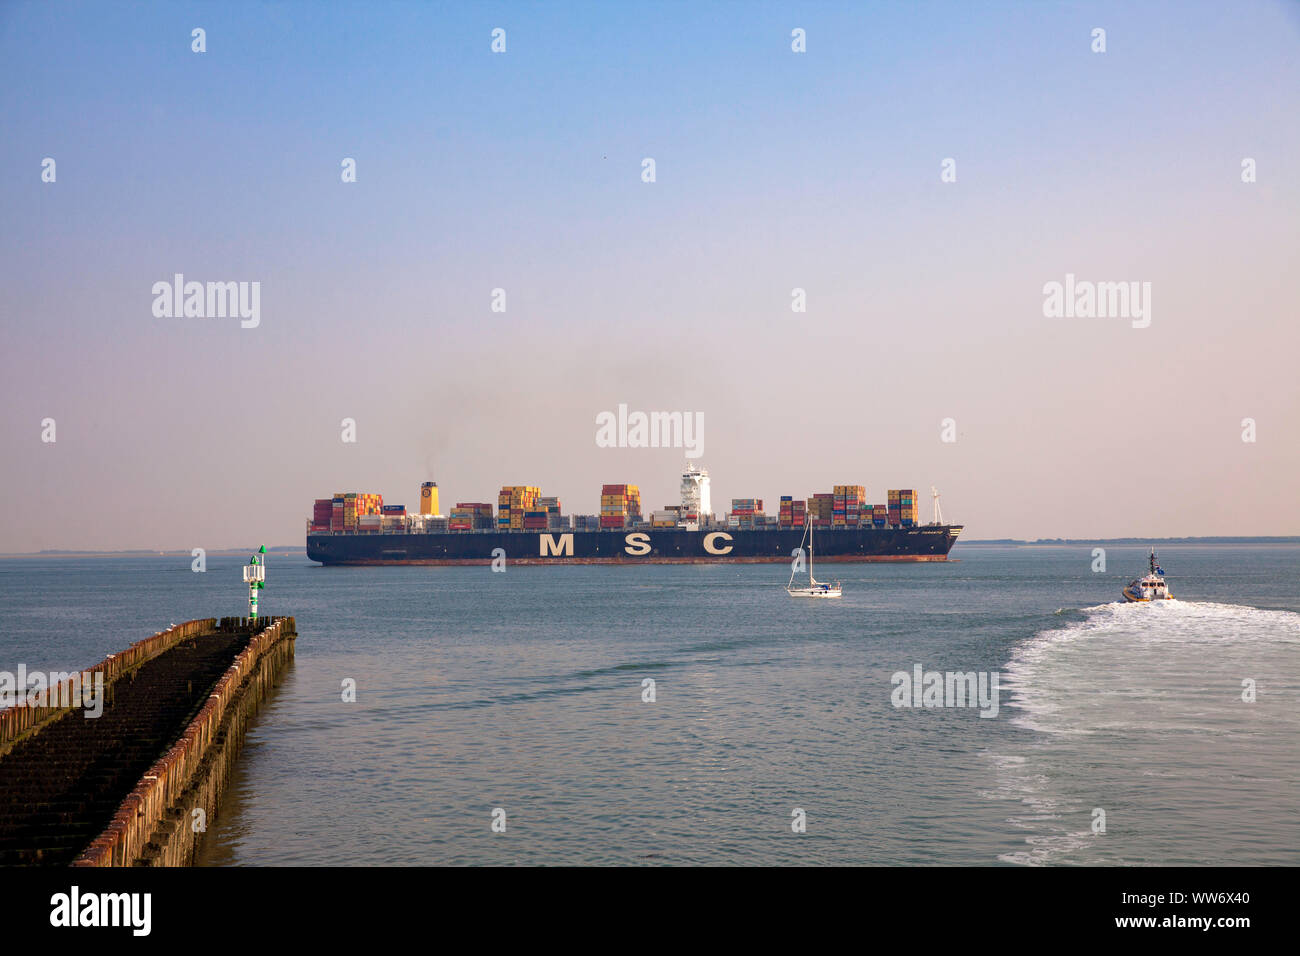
1151 587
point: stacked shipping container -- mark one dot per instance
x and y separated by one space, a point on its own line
394 518
745 513
902 507
620 505
358 505
552 518
471 516
846 510
663 519
322 512
669 516
521 507
792 514
820 510
909 504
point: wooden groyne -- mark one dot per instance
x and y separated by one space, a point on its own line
122 789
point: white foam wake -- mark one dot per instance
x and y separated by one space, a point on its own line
1175 717
1123 658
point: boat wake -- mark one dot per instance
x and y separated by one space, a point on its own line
1131 704
1122 660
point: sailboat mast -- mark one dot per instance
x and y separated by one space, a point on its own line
810 549
794 565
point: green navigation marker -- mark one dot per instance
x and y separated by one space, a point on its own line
255 578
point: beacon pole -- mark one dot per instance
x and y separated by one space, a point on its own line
255 577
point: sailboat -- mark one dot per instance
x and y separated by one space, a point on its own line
815 588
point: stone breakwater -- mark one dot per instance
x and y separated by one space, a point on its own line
139 784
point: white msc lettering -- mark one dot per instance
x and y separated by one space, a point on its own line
710 547
638 543
549 546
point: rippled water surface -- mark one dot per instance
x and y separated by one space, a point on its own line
523 691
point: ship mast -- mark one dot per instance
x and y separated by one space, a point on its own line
938 512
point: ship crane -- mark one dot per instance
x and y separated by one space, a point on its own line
938 512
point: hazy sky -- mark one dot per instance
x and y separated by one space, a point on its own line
522 170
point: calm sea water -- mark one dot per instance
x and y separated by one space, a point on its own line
523 691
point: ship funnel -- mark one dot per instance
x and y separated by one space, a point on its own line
429 498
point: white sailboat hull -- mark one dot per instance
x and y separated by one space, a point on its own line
815 592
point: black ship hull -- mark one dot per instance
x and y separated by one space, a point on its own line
649 546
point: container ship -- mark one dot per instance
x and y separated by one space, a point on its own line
527 527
